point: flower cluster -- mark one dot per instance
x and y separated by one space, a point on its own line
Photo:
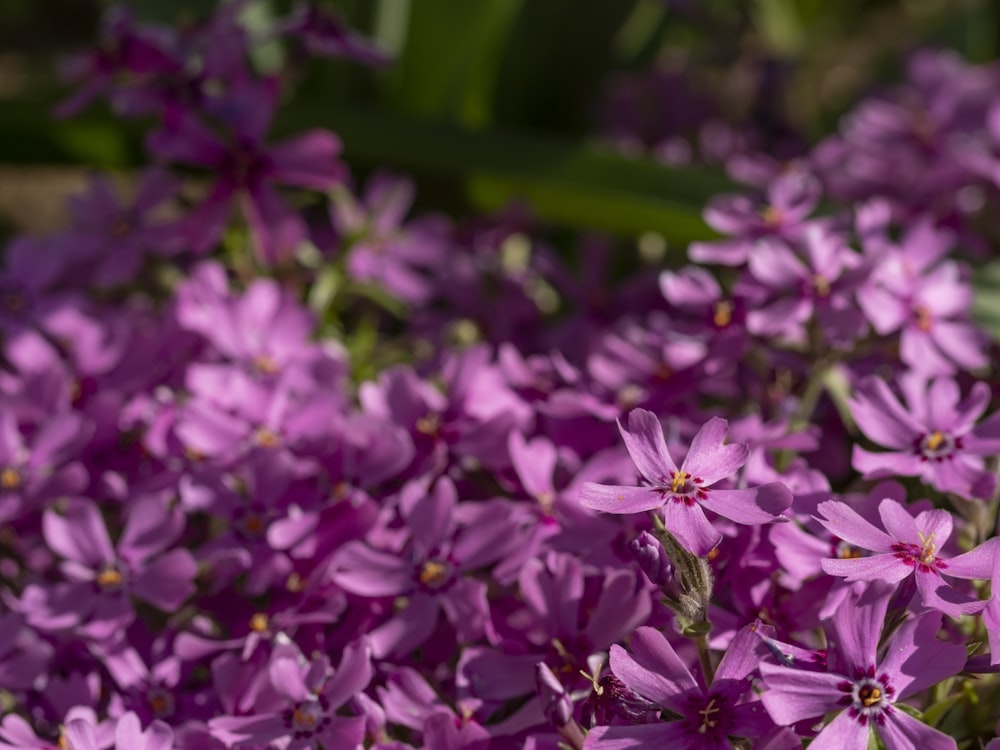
747 502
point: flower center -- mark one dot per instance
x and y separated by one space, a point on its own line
258 623
265 364
923 557
10 478
161 702
772 217
308 718
821 285
722 313
434 574
707 722
683 488
936 446
869 698
266 438
110 578
923 318
429 425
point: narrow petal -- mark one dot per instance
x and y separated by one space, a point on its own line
646 445
288 678
619 499
743 506
711 460
904 732
874 568
792 695
938 594
168 580
902 526
692 529
79 534
128 732
159 736
976 563
934 523
671 735
881 416
843 733
353 673
845 523
890 464
408 629
368 572
906 658
653 670
857 625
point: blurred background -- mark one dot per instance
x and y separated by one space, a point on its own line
611 115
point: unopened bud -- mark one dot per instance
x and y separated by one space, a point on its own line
557 706
652 559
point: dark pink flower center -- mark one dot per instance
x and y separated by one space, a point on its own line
937 446
921 556
868 698
308 718
681 487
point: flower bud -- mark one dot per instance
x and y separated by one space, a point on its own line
652 559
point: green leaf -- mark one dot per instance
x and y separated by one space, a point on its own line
986 303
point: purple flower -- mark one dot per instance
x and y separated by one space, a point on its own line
912 546
683 494
708 715
245 168
102 577
864 687
325 34
311 696
790 199
128 735
932 435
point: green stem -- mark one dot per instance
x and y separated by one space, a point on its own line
705 658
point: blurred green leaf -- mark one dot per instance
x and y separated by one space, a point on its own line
448 50
986 303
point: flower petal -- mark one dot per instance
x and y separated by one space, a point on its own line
744 506
906 662
795 694
653 670
709 459
618 499
904 732
877 567
692 529
646 445
843 733
845 523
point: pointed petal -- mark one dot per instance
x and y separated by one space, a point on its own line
792 695
653 670
902 526
692 529
843 733
743 506
877 567
671 735
619 499
904 732
938 594
906 661
711 460
858 623
646 445
845 523
976 563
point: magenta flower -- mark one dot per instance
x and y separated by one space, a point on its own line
246 169
101 577
311 696
708 715
865 687
128 735
931 434
912 547
683 494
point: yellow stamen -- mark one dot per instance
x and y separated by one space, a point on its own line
706 722
821 284
771 216
265 364
433 573
928 549
304 718
679 480
109 577
722 313
258 623
934 440
10 478
429 425
266 438
870 696
924 319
